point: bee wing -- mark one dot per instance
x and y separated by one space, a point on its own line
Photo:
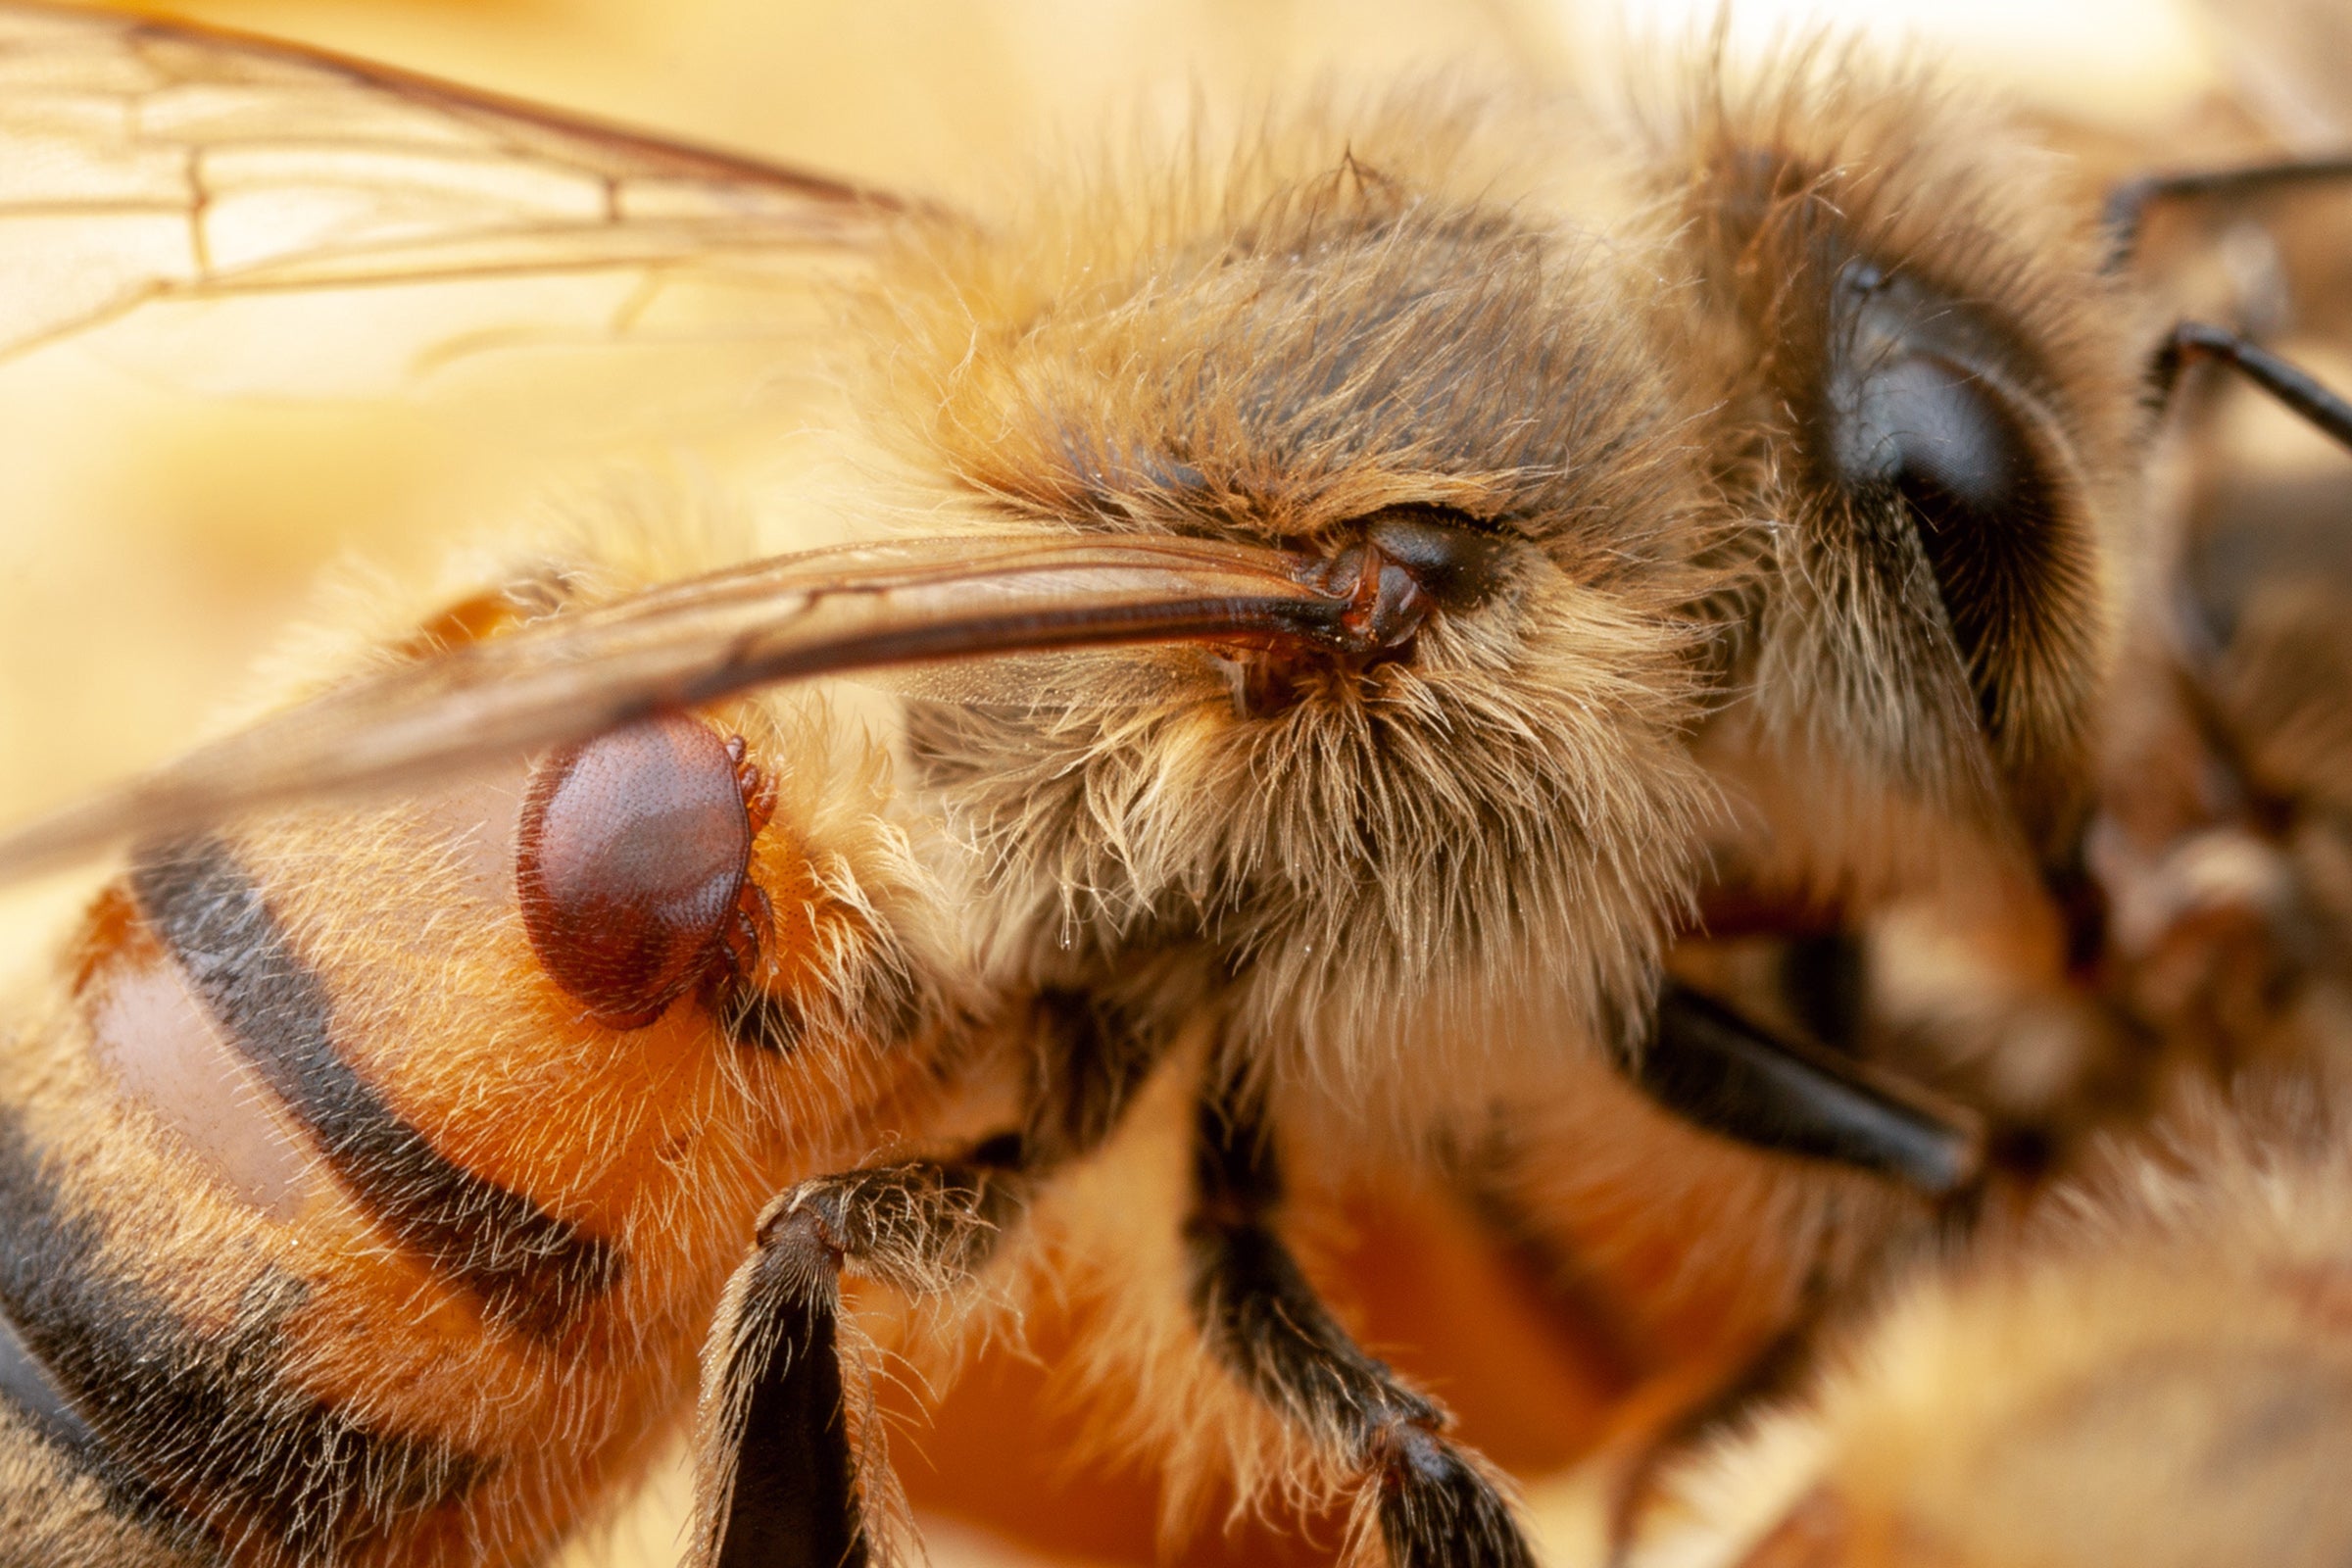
571 675
143 161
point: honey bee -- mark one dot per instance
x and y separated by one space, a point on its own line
2144 1363
1399 571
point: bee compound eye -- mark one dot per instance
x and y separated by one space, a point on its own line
1446 555
1943 436
630 858
1960 456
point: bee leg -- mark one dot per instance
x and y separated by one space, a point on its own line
780 1480
1432 1501
1715 1069
2324 410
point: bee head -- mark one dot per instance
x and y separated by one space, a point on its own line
1357 345
1931 383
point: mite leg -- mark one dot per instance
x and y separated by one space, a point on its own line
1432 1501
1715 1069
780 1482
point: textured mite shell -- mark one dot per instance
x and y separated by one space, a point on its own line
629 864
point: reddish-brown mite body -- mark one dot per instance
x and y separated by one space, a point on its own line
632 866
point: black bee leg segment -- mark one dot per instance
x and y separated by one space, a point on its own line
780 1480
1430 1502
2325 410
2128 203
1717 1070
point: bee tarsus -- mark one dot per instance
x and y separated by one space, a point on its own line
1431 1503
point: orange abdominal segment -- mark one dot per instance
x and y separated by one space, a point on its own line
439 1212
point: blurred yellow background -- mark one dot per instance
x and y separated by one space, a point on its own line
154 539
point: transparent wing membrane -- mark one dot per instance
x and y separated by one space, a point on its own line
144 161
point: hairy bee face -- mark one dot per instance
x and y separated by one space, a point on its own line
1929 384
1354 348
1789 440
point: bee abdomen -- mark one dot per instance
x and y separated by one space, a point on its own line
532 1270
53 1511
61 1487
195 1435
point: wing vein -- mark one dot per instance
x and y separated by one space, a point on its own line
293 169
